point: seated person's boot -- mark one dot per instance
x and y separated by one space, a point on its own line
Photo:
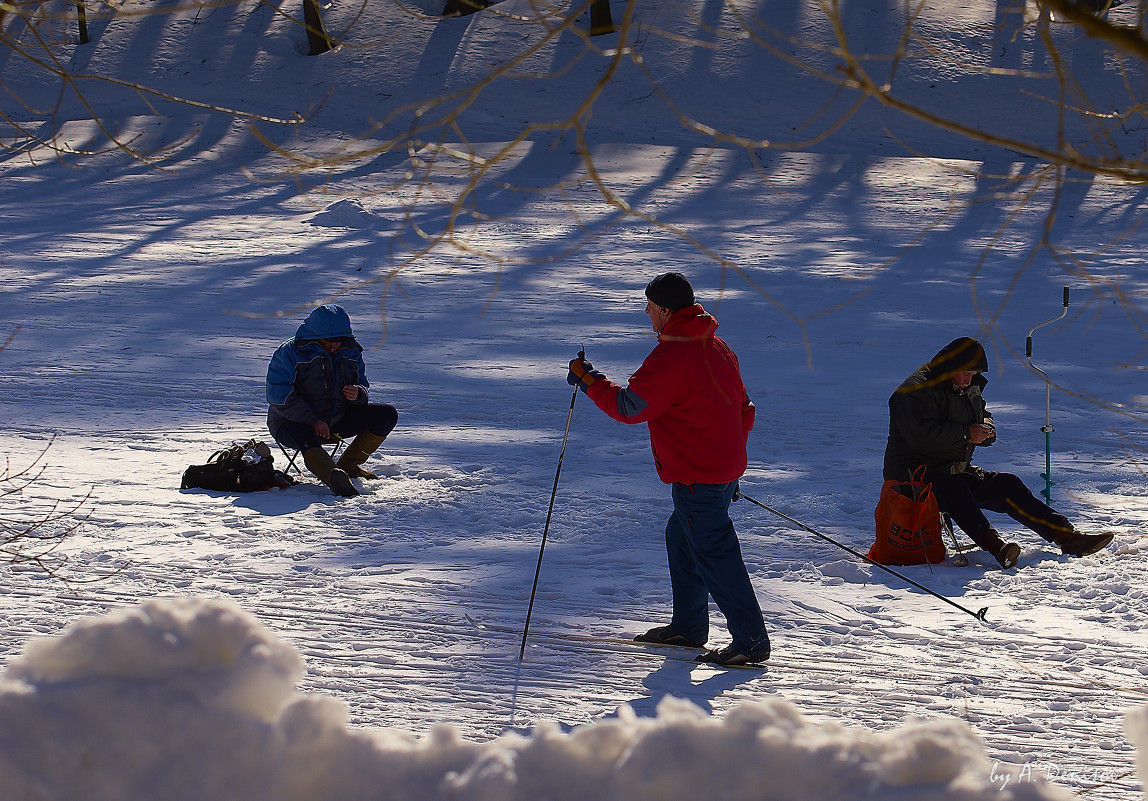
1073 543
357 452
1006 553
320 463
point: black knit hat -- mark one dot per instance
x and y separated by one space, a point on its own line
670 291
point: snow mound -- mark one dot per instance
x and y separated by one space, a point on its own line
348 214
1136 727
851 572
193 698
210 651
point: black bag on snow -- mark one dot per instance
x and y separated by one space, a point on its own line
240 468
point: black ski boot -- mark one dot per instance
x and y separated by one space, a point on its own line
664 635
731 656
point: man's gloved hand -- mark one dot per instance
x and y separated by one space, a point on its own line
582 374
982 434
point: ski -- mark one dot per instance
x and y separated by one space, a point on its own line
615 645
622 641
619 645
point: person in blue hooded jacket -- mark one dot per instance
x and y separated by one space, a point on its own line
317 390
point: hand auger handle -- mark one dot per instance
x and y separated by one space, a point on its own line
1028 339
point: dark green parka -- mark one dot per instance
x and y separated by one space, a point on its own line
929 415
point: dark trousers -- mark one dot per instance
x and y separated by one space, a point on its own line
378 418
964 495
705 560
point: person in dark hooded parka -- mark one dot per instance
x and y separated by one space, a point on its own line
938 418
317 390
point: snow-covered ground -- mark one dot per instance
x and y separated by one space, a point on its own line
144 304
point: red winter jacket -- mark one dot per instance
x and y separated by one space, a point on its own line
689 390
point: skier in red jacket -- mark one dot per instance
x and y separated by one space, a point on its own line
690 392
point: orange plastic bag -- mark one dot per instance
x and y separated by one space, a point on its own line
908 524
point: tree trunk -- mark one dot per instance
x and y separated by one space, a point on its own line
82 19
600 20
316 35
460 8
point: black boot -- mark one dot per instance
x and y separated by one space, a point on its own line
664 635
1007 554
734 657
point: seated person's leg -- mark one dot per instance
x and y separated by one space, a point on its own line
956 499
378 419
370 425
1007 494
295 436
381 419
302 437
956 495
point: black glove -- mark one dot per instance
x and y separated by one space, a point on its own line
582 374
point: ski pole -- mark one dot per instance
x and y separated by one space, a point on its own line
1047 427
549 512
979 615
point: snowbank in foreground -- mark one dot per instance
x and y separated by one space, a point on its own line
1136 727
195 699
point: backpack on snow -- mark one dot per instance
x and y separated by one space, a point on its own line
908 523
240 468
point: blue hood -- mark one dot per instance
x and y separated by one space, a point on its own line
325 322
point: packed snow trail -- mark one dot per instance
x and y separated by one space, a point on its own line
412 627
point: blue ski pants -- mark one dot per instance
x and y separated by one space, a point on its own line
705 561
